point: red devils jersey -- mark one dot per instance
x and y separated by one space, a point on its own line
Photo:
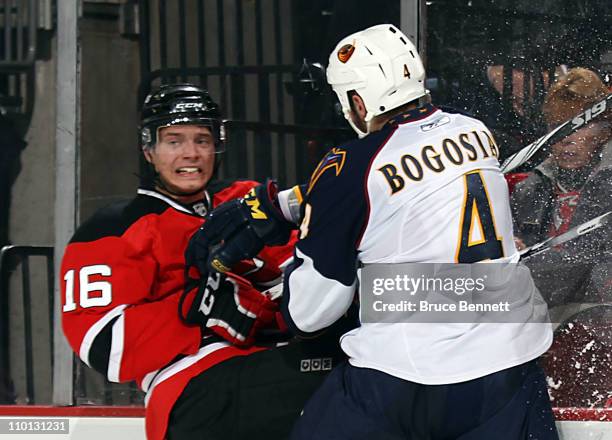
123 273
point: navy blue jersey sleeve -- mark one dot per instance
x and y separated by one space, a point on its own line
320 283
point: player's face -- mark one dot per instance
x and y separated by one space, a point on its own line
184 158
577 150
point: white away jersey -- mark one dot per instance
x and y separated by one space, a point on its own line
426 188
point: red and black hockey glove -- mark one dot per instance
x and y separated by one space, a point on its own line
239 230
230 307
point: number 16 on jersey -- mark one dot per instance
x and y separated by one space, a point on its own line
91 293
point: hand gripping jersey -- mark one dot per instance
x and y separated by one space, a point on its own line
123 273
426 188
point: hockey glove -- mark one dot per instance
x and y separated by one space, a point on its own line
239 229
223 222
232 308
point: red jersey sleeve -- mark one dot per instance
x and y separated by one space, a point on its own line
120 302
265 270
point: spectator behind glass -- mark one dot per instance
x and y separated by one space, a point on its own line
572 186
515 125
520 100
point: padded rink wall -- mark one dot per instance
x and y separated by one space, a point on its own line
127 423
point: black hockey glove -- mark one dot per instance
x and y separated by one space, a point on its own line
222 223
230 307
239 229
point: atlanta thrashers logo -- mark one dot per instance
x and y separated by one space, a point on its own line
346 52
335 160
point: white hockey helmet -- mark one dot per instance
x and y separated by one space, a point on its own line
382 65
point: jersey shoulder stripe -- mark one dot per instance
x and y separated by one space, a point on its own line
115 219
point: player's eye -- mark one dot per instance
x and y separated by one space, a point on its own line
204 141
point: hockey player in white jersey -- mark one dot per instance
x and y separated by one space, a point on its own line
420 186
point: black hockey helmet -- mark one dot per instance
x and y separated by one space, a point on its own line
180 104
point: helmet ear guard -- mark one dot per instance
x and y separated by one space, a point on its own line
382 65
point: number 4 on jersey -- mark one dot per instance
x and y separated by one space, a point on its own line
478 239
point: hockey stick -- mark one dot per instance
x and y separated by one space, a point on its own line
597 111
572 234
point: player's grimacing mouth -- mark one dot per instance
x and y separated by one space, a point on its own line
188 171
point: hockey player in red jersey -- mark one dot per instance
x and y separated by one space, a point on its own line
133 309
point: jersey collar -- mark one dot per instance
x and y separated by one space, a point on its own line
199 208
412 115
